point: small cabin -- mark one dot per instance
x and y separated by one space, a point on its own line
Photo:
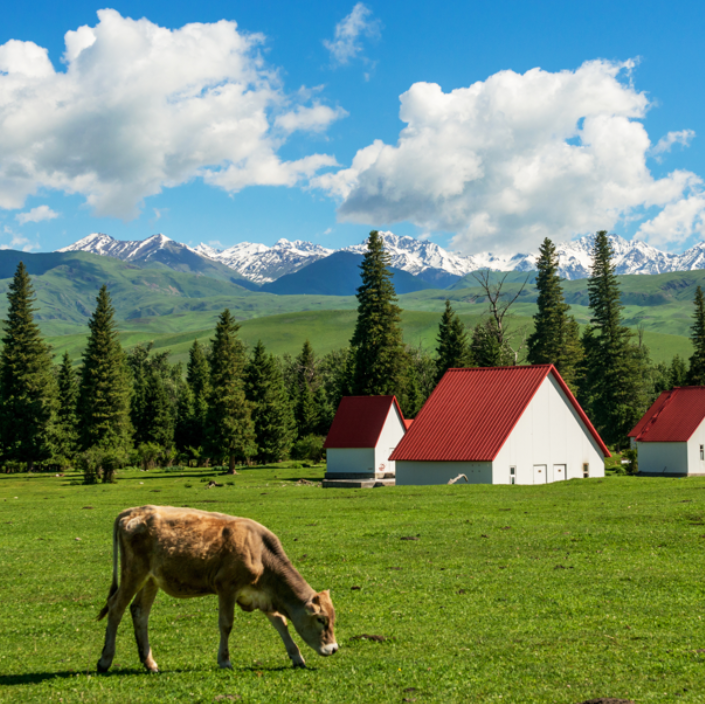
670 438
364 433
500 425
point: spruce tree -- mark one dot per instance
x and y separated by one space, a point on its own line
452 350
306 408
677 373
272 414
556 338
486 348
66 443
104 392
379 356
27 385
613 364
230 430
193 403
696 371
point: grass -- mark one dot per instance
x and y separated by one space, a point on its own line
558 593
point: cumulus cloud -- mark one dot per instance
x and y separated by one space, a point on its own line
519 157
140 108
664 145
17 241
42 212
349 33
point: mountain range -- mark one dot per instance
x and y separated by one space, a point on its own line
257 266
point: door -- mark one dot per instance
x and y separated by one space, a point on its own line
539 474
559 472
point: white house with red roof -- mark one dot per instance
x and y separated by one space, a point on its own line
500 425
364 433
670 438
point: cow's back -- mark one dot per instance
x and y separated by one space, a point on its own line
190 552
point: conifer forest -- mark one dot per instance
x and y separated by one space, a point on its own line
231 405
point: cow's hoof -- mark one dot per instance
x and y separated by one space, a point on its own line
152 670
225 665
100 667
301 665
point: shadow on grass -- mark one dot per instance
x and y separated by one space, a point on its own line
39 677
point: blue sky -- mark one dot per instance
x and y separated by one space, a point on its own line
289 124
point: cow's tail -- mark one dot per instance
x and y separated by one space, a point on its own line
114 585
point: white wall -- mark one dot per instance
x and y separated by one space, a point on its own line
356 460
663 457
695 464
392 433
549 432
421 473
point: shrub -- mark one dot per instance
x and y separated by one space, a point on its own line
100 463
633 466
309 448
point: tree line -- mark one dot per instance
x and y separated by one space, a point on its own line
231 406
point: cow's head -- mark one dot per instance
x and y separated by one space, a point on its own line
315 621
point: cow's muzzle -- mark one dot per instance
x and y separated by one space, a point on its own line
328 649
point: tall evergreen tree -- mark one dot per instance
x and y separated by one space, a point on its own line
27 386
104 392
613 364
556 338
379 356
272 414
486 348
453 346
230 430
677 372
696 371
306 409
193 401
66 443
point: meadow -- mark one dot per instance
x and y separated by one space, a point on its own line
556 593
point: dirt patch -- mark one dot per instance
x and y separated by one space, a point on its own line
410 537
367 636
608 700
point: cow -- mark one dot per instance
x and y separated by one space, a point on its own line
190 553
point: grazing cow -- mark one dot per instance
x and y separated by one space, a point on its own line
189 553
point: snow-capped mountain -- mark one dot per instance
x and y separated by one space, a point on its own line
108 246
263 264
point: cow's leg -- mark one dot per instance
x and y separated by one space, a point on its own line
279 622
226 614
117 604
139 609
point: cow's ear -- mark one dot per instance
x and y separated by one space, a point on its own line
311 608
316 599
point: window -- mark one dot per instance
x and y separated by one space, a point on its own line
586 470
512 475
702 452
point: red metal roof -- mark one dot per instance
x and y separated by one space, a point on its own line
408 422
359 421
471 413
673 417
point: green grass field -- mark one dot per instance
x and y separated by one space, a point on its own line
559 593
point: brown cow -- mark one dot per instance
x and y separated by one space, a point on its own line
188 553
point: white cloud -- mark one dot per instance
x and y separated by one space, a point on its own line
17 241
140 108
518 157
663 146
349 32
38 214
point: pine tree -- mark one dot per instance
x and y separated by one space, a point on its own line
452 350
379 357
696 372
104 392
66 443
272 414
230 430
27 386
486 348
556 337
613 364
677 373
306 409
193 401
